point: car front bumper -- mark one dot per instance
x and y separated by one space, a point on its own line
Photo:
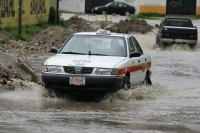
92 83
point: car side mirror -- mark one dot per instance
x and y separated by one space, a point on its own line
135 54
157 26
54 50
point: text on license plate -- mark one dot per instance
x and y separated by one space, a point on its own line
77 81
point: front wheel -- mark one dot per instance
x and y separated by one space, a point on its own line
127 13
126 84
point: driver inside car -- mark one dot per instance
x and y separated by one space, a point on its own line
116 47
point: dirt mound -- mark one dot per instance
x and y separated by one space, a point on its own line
127 26
53 36
5 35
131 25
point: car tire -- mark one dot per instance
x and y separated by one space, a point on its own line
162 46
193 46
126 83
127 13
103 12
157 39
147 80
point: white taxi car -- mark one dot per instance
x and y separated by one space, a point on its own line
99 60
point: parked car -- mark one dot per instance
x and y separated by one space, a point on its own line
116 8
97 61
176 30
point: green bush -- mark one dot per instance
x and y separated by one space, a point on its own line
197 16
52 15
148 15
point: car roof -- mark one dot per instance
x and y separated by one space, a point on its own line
176 17
109 34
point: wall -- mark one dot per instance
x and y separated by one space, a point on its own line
75 6
198 8
33 12
155 6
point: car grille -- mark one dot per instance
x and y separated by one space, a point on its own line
71 70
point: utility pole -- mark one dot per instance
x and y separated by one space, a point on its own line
57 14
20 17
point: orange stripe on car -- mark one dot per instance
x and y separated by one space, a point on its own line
134 68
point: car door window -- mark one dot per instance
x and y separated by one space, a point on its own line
131 46
120 5
115 5
124 5
112 5
136 44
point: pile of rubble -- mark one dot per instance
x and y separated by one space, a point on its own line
13 72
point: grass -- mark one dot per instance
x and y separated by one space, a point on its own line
197 16
4 41
155 16
28 31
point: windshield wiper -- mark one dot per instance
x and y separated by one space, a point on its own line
100 54
73 53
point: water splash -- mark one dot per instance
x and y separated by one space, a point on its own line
140 93
29 91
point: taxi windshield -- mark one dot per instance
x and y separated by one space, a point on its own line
95 45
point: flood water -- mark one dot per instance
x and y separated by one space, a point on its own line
171 105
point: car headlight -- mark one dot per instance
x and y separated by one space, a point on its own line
106 71
53 69
96 8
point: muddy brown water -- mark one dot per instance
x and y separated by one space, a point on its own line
170 105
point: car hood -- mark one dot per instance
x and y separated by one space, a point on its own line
84 60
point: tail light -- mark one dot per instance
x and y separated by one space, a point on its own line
162 31
196 34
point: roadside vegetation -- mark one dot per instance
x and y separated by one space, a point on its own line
155 16
28 31
197 16
4 41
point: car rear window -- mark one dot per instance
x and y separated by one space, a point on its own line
178 22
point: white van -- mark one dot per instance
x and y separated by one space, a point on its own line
97 61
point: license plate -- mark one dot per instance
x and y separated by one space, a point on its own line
179 40
80 81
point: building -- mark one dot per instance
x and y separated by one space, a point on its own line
181 7
33 12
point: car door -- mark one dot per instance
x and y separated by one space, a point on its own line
112 8
139 61
121 8
133 63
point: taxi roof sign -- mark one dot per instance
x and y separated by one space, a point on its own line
101 31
